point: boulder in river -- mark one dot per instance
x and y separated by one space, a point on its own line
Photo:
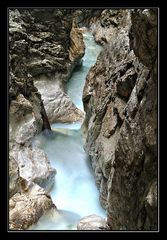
92 222
28 205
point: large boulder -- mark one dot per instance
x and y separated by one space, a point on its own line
58 105
92 222
25 122
28 202
34 165
28 205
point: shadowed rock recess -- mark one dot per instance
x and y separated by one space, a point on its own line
120 101
44 47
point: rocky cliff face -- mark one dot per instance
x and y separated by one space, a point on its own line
27 118
86 17
44 47
44 43
120 101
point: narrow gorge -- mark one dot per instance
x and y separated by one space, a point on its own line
83 119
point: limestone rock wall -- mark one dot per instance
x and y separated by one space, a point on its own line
44 44
39 48
120 101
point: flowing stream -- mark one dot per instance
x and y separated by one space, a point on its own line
74 192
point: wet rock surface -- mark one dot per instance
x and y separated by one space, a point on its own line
28 201
120 101
28 205
58 104
34 165
25 121
92 222
14 183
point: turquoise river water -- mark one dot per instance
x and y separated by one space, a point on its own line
74 192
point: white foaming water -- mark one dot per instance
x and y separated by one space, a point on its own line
74 192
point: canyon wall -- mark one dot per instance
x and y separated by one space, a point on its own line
44 47
120 101
49 45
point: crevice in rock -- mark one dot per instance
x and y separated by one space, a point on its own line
46 124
